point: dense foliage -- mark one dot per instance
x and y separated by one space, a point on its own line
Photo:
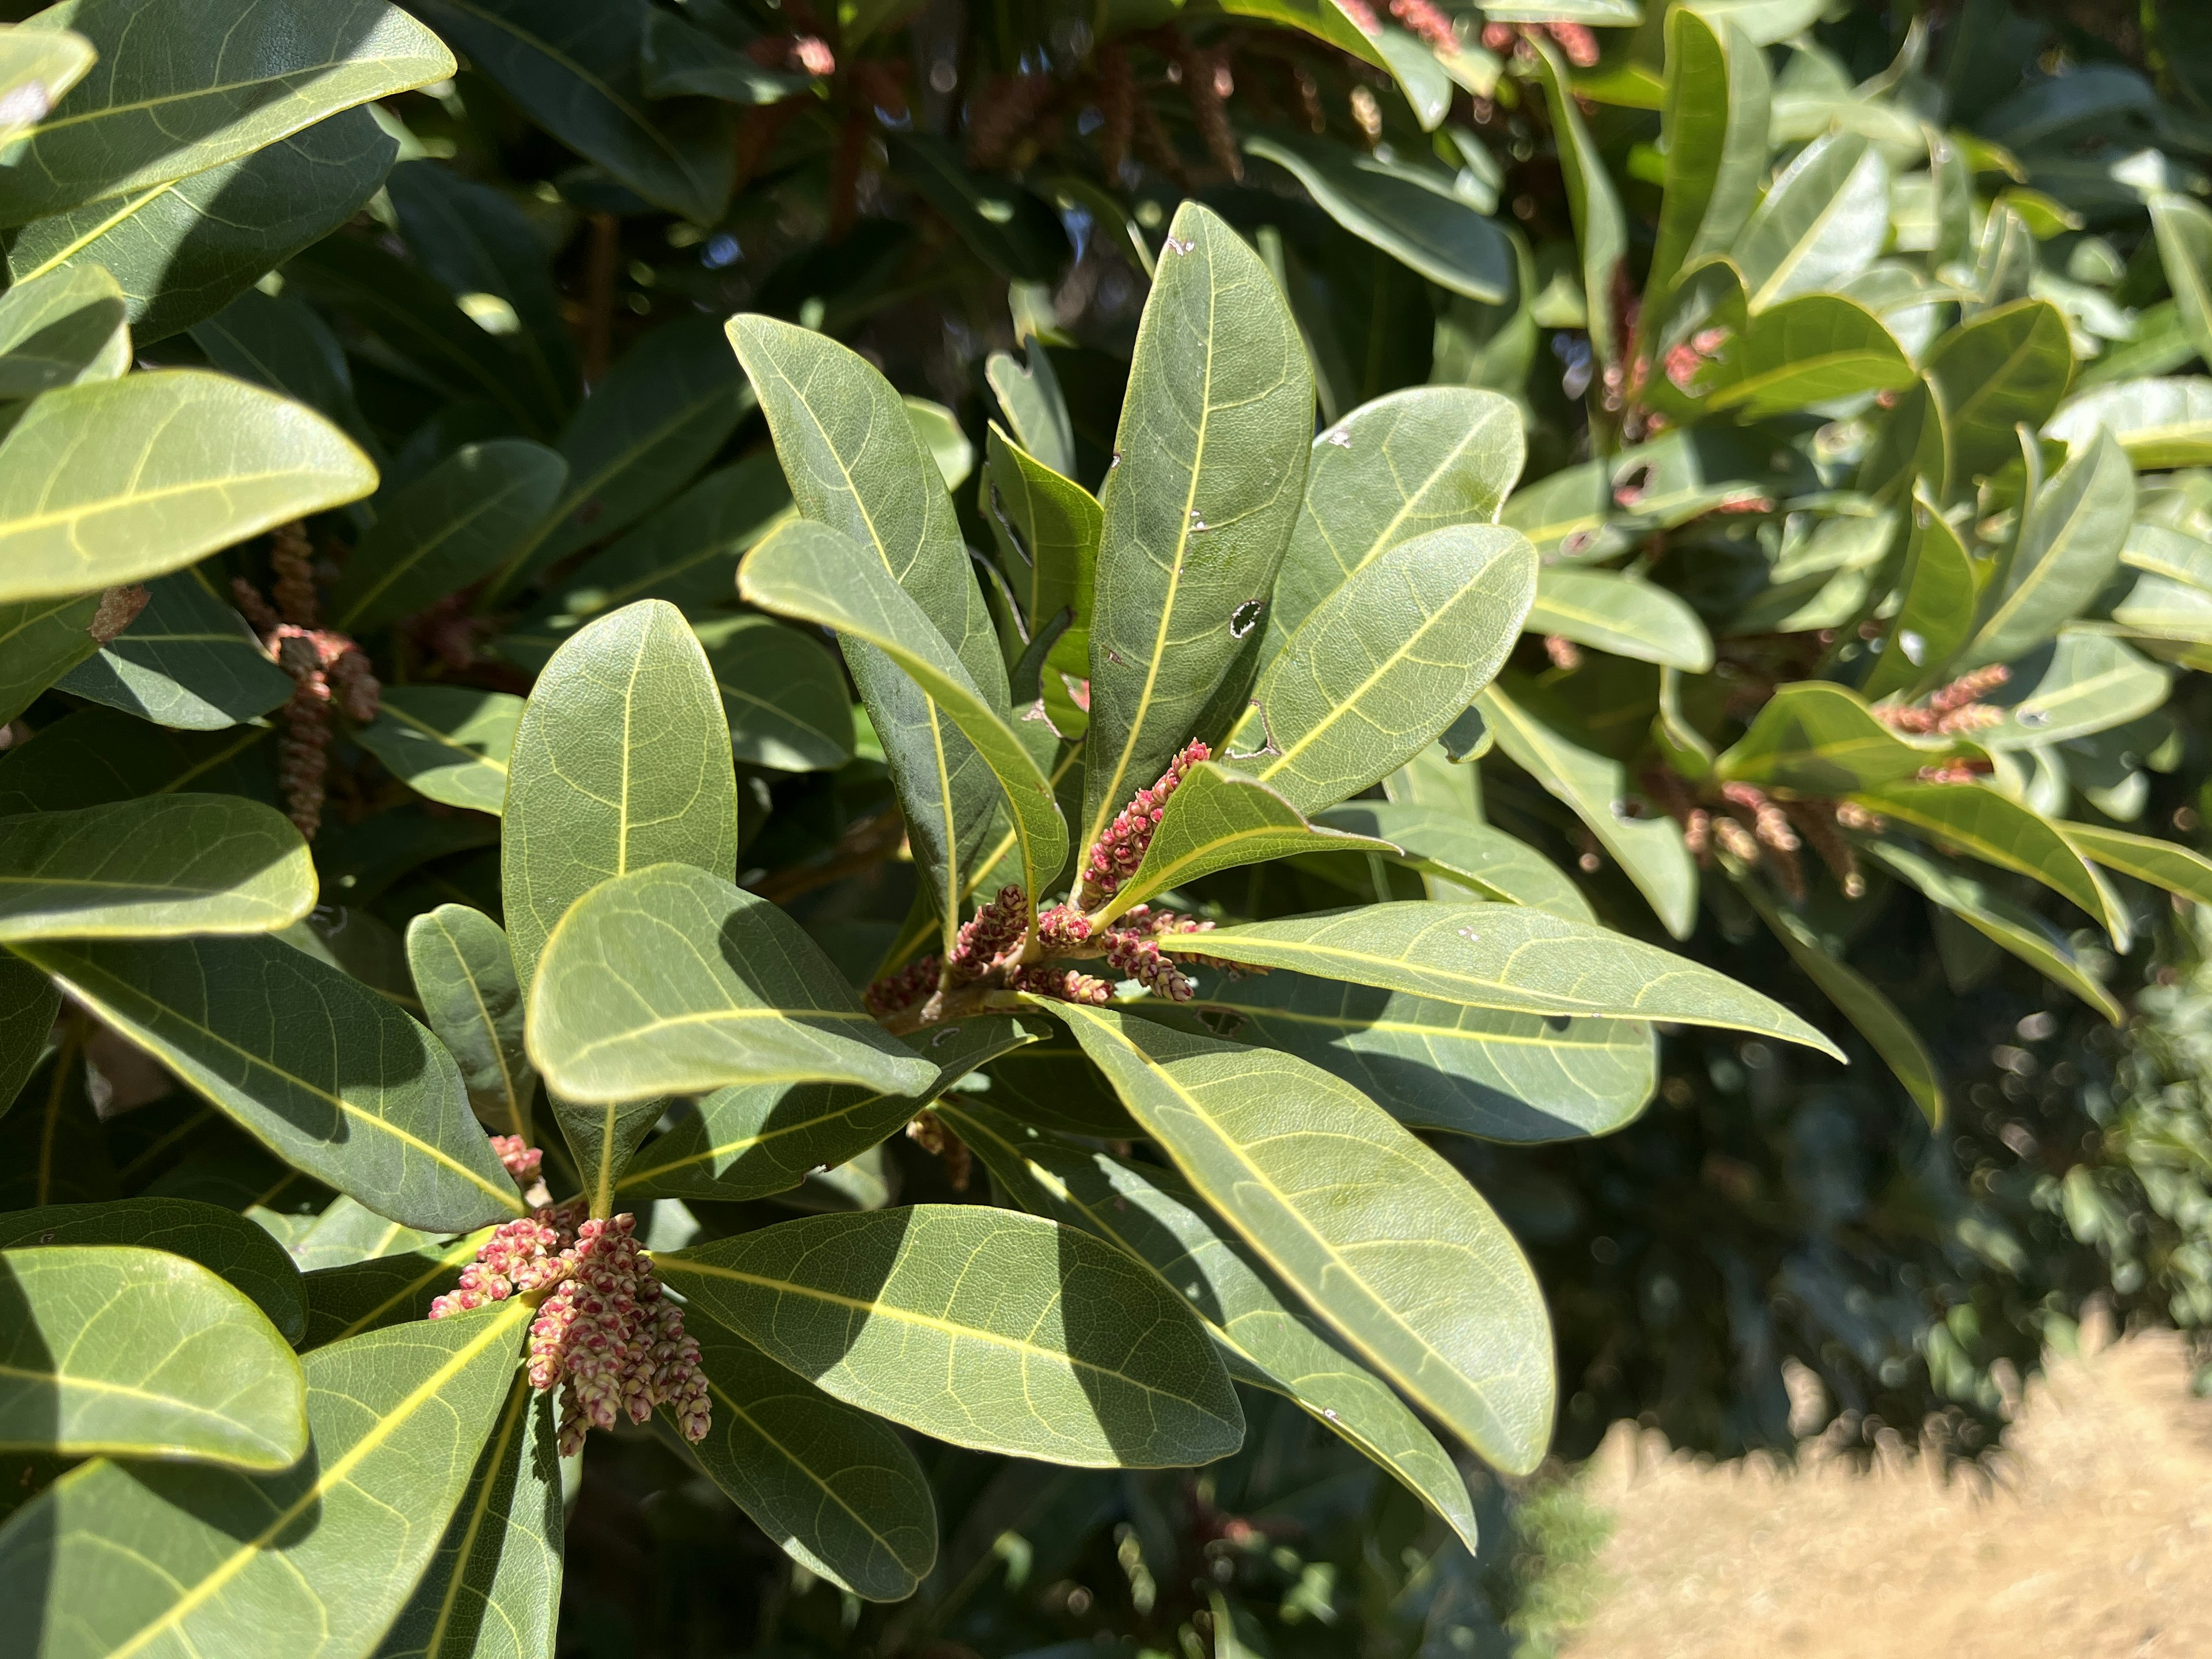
1285 482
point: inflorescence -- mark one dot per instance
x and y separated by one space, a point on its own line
1120 848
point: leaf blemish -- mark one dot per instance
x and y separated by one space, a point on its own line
1174 246
1242 619
1341 438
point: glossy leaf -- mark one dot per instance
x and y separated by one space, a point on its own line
1048 527
1821 739
1210 461
28 1007
456 523
1381 667
465 978
1216 820
836 1489
811 573
2069 547
1155 1217
170 96
1417 461
155 868
40 641
64 327
347 1232
995 1331
37 66
2080 682
373 1293
1823 220
622 760
2183 232
1994 371
1979 822
449 743
304 1559
122 1352
2162 863
1600 228
2159 423
331 1077
1650 850
1625 615
752 1140
1376 1232
670 981
1935 613
1465 851
121 480
1810 349
226 1243
1506 957
188 661
1718 89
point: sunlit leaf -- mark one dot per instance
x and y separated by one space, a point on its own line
226 1243
1625 615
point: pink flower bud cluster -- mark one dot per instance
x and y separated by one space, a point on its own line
1422 18
1957 706
1060 983
522 1255
1062 928
522 1160
902 988
987 935
1134 955
1120 848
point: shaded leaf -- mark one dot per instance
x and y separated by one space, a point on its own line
1817 739
1600 230
784 694
1979 822
28 1007
188 660
2080 682
1935 612
222 1240
40 641
382 1290
64 327
1048 529
2004 367
465 978
449 743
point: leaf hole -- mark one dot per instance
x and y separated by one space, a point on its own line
1245 617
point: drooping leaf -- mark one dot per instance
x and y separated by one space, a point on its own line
120 480
155 868
2069 547
1218 819
784 694
329 1076
2159 424
621 760
670 981
450 743
1982 824
171 96
188 661
1810 349
1462 850
574 66
1936 612
60 329
294 1562
456 523
1381 666
2162 863
1650 850
2004 367
465 977
994 1331
836 1489
1718 89
494 1585
1507 957
1376 1232
1409 211
118 1350
808 571
226 1243
1156 1217
1416 460
752 1140
1210 465
1622 614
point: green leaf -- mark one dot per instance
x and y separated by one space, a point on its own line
62 329
670 981
622 760
121 1351
1442 1066
1465 851
155 868
328 1075
381 1291
183 250
1375 1231
1409 211
2069 542
1009 228
1417 461
573 66
1216 820
678 60
1272 1341
284 344
755 1139
1982 824
1718 89
2183 233
1874 1014
305 1560
1199 502
1048 530
465 978
1029 395
1388 661
784 694
2159 423
494 1585
171 95
1811 349
836 1489
28 1007
2080 682
1600 228
1625 615
2162 863
121 480
1823 220
37 66
1592 784
2009 924
53 1148
40 641
994 1331
1818 738
1507 957
810 572
1937 611
450 743
96 755
346 1232
2004 367
222 1240
659 418
456 523
188 661
942 437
